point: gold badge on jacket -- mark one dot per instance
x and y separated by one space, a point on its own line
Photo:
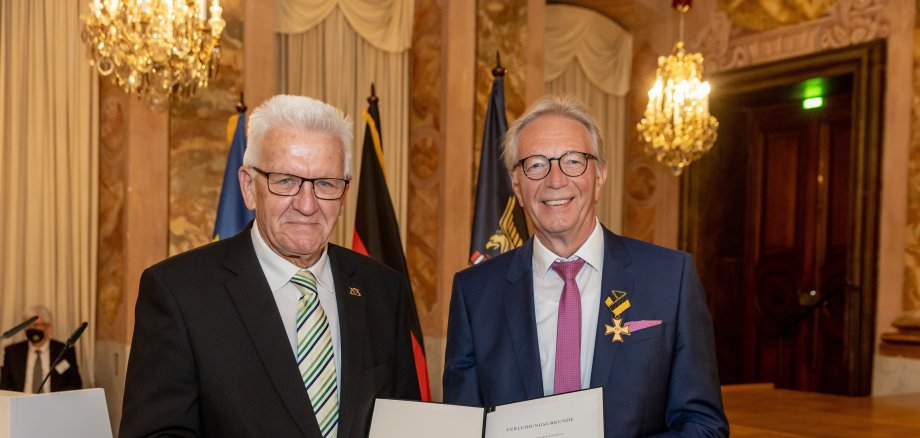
354 291
618 303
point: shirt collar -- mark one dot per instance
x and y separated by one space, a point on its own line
592 252
278 271
45 347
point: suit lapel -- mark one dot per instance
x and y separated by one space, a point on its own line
352 332
19 355
522 325
253 299
616 276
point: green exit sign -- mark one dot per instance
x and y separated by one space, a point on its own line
813 102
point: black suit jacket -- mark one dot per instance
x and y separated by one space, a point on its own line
14 368
210 356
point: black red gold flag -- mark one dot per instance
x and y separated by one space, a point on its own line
377 232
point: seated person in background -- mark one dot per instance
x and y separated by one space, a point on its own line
26 363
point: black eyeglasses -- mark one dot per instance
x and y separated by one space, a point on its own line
571 163
282 184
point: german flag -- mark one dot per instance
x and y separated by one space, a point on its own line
377 232
499 223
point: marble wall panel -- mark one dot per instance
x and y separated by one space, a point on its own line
501 26
912 249
772 14
425 161
110 271
643 177
198 143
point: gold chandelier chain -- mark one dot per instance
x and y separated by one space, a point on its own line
680 26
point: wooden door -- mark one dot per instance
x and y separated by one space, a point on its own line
786 202
796 230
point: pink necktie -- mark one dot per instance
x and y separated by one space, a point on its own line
568 330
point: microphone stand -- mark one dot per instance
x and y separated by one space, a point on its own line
12 332
69 344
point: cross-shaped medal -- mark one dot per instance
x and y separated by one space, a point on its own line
617 330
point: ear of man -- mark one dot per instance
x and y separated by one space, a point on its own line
247 187
516 187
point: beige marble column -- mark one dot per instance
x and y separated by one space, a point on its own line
534 50
458 60
905 341
258 51
134 169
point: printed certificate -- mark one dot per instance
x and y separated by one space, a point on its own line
578 414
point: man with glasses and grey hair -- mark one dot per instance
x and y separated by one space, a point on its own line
274 331
578 306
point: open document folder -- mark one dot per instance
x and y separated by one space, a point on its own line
578 414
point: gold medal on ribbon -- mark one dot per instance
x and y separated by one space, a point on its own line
617 303
617 330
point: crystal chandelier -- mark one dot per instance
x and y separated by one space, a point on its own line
677 125
160 50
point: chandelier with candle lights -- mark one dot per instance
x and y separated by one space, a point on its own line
677 126
162 51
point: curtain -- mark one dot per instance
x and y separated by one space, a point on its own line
385 24
589 56
48 169
332 51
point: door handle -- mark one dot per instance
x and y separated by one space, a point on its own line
809 297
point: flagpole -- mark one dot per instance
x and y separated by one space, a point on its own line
498 71
241 105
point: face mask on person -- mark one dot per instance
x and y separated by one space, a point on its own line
35 335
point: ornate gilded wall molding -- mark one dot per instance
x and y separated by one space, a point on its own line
849 22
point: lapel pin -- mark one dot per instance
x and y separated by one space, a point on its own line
354 291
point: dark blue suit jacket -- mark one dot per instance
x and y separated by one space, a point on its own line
661 380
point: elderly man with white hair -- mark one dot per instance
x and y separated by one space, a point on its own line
273 331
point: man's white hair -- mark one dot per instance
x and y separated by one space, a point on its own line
41 312
299 113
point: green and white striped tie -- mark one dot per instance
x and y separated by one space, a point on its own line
315 356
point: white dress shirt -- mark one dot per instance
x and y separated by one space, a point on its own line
547 290
43 354
278 272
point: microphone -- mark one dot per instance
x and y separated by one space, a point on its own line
69 344
12 332
75 335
